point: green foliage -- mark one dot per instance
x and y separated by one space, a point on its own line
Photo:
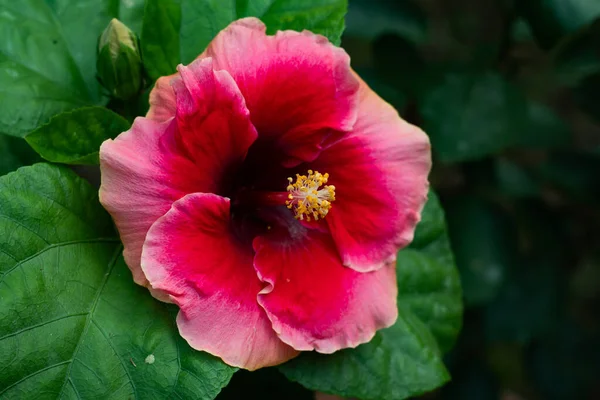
551 20
404 360
119 61
15 153
507 91
72 323
48 57
178 31
371 18
484 247
75 137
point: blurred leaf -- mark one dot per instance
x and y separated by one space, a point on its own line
469 116
75 137
550 20
586 95
484 247
399 63
514 180
48 56
543 128
473 31
566 363
177 31
526 306
575 174
578 56
15 153
372 18
395 97
73 324
404 360
475 381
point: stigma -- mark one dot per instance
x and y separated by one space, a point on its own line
309 197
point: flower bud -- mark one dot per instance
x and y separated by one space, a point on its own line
119 63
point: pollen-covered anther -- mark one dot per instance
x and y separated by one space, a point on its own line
309 196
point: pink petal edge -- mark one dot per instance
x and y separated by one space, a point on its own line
191 254
313 301
380 173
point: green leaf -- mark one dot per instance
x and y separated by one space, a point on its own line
75 137
400 362
15 153
550 20
48 56
434 293
484 245
177 31
72 322
515 180
577 56
371 18
469 116
405 359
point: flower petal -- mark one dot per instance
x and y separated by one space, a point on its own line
380 174
147 168
313 301
298 87
191 254
162 99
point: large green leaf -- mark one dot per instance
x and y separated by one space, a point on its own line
177 31
550 20
404 360
72 322
48 56
75 137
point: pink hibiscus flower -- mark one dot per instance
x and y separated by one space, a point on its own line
266 194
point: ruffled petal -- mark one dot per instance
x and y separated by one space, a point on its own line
162 99
380 174
313 301
147 168
298 87
191 254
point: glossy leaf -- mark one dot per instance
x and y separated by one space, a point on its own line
72 322
177 31
75 137
404 360
434 294
48 56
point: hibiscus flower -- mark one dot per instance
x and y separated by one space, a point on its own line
266 193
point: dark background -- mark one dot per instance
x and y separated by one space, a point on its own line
509 92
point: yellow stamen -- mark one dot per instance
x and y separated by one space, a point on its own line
306 199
